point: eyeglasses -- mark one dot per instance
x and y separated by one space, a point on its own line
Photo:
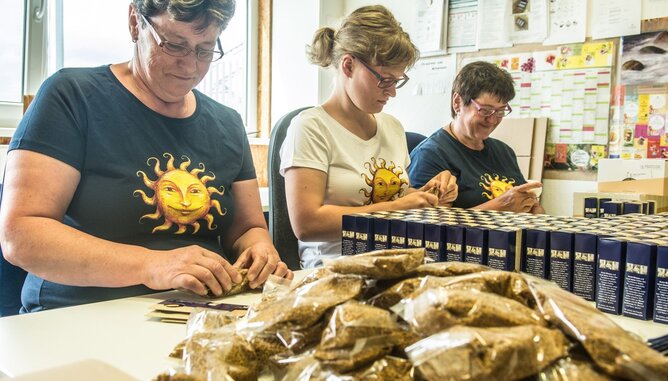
488 111
178 50
385 82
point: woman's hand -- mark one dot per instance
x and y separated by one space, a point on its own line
519 198
444 186
415 199
192 268
262 260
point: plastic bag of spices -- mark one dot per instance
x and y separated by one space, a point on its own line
363 353
613 349
569 369
379 264
352 321
468 353
435 309
220 355
385 368
504 283
445 269
304 306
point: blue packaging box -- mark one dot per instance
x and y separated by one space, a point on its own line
591 207
398 228
639 280
434 240
661 288
415 234
363 232
475 250
602 201
584 266
348 235
381 233
610 274
454 244
535 256
504 248
612 208
562 258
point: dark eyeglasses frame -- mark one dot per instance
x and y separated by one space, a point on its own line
178 50
385 82
486 112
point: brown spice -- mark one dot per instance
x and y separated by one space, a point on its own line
445 269
466 353
353 321
504 283
220 353
379 264
395 293
349 359
612 348
434 310
237 288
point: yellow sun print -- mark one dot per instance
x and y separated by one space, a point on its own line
385 182
495 185
181 197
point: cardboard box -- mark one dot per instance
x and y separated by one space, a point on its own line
649 176
661 201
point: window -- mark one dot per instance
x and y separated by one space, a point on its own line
11 52
76 40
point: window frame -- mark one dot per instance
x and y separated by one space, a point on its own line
35 58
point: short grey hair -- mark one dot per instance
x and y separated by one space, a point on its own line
204 12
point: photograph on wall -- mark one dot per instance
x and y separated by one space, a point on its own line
573 157
645 59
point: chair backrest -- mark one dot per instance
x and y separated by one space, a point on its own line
279 221
11 283
413 139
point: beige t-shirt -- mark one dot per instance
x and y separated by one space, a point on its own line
359 172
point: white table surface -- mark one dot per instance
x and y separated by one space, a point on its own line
118 333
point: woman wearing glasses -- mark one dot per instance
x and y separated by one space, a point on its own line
346 156
123 179
486 169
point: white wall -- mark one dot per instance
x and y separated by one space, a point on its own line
297 83
294 81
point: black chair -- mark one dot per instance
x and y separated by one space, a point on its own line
413 139
11 283
279 221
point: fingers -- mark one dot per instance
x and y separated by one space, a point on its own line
528 186
268 269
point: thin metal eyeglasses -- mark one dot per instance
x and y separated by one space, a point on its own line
178 50
385 82
488 111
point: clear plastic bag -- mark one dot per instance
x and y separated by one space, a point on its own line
613 349
467 353
434 309
364 352
504 283
568 369
352 321
379 264
446 269
220 356
395 293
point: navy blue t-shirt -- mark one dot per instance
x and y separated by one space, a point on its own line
146 179
481 175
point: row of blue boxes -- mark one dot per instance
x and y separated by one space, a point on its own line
601 207
621 263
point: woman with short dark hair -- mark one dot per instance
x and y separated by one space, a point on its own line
486 169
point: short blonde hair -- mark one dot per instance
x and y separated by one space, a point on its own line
371 34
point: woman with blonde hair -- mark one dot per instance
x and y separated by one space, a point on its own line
346 156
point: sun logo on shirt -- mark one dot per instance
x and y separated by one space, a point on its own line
495 185
385 181
180 196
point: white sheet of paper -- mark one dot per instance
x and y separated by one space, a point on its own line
462 26
493 16
614 18
568 22
435 74
654 9
429 28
